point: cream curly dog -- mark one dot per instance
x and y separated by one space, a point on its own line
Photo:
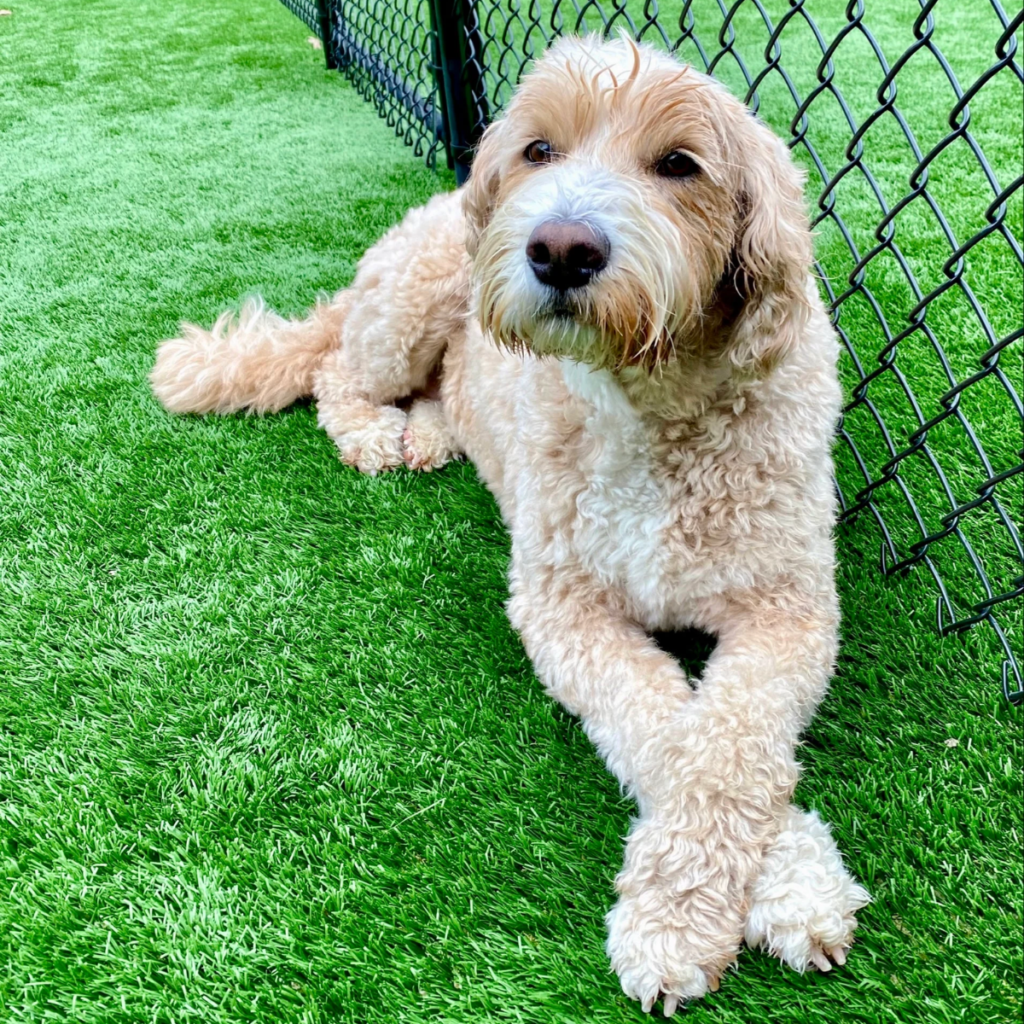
619 312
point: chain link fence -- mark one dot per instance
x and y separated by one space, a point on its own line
918 208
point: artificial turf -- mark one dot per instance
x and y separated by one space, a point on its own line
269 750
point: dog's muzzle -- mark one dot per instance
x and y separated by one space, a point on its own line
566 254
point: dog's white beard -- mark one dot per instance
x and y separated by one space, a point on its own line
635 305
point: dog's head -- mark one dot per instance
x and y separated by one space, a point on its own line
627 209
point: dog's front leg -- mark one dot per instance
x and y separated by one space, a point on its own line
671 929
712 773
728 772
602 667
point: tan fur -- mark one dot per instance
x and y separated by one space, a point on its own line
659 448
259 361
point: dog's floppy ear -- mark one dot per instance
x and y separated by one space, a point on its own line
772 253
481 191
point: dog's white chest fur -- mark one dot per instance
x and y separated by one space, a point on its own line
623 511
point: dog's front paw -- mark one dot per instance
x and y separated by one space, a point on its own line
803 902
679 920
660 946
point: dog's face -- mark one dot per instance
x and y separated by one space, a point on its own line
627 209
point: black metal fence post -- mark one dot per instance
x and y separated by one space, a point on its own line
459 87
323 11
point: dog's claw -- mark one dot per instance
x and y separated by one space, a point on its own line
838 954
648 1004
670 1005
713 982
821 961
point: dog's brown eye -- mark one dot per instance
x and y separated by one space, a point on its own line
539 152
677 165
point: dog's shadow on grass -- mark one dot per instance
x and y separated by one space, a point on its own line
690 647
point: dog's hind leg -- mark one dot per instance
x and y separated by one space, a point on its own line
372 346
365 427
803 903
355 403
408 301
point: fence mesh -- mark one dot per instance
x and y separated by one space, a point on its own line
388 50
918 207
312 12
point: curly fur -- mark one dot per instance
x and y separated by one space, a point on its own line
659 445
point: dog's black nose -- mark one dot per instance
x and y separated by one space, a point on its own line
566 253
